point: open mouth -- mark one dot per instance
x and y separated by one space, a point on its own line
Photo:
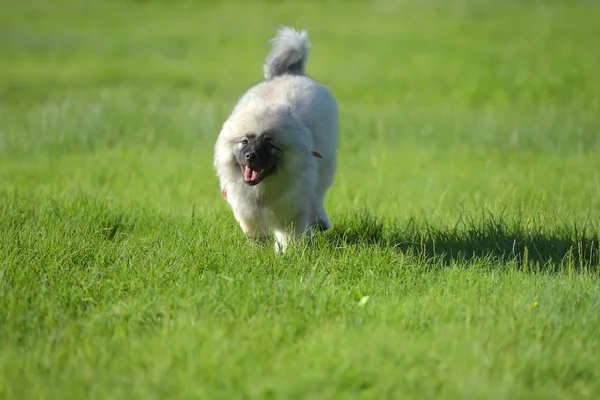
254 176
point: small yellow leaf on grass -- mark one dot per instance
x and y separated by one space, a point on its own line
534 304
363 301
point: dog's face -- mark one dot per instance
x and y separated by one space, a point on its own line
259 140
258 156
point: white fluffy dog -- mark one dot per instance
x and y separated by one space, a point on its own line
276 154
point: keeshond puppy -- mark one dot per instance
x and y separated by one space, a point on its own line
276 154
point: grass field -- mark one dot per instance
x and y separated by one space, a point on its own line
463 262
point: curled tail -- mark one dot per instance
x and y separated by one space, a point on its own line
289 53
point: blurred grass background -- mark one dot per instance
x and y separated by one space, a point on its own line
474 86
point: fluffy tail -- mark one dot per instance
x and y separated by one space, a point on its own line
289 53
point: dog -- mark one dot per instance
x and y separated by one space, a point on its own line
276 154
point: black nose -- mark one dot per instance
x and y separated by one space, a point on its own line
250 156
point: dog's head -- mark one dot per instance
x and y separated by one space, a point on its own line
261 139
257 154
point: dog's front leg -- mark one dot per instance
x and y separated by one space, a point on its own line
290 232
253 226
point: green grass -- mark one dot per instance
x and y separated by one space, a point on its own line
463 262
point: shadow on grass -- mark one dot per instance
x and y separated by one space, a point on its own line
528 243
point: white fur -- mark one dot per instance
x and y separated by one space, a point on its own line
304 115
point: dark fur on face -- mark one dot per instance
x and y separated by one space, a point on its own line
257 156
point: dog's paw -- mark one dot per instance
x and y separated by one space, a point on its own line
321 226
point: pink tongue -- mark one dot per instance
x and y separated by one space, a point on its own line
250 174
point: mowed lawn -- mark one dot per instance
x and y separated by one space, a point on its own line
463 262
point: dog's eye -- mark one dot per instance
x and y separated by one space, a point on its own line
244 141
